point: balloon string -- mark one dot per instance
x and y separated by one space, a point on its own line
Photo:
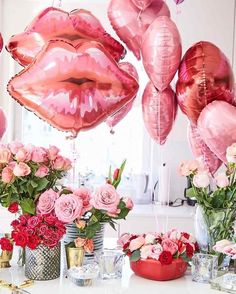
234 32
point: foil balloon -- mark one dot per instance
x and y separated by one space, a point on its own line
161 51
216 124
201 151
142 4
205 75
3 123
159 112
130 23
1 42
53 23
120 114
73 88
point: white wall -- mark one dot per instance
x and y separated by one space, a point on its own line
197 20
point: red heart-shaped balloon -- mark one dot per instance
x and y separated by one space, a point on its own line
205 75
53 23
130 24
217 124
159 112
73 88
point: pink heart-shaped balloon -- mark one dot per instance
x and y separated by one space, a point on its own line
161 51
201 151
130 23
217 125
159 112
53 23
119 115
1 42
3 123
73 88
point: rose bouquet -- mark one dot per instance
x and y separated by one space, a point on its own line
27 171
216 196
6 245
31 231
161 247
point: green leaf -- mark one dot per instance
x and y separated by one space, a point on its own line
112 225
135 256
124 212
28 206
190 192
33 184
42 184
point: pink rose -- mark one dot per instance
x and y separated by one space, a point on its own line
231 153
21 170
42 229
150 238
146 251
38 154
201 180
68 208
220 245
5 155
128 203
222 181
169 245
46 202
67 164
33 222
52 152
42 171
106 198
174 235
124 238
59 163
186 168
7 175
23 154
15 146
85 195
156 251
80 242
136 243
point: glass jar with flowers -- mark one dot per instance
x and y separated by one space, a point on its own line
216 198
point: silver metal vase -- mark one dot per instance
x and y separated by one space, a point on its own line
42 263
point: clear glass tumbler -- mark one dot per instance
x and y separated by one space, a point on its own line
204 267
110 263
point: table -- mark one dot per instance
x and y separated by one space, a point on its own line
129 284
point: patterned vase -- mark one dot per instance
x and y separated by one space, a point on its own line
43 263
72 233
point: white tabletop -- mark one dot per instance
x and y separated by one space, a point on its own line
130 283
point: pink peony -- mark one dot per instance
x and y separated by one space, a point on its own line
38 155
106 198
5 155
46 202
85 195
52 152
42 171
68 208
15 146
136 243
124 238
169 245
146 251
222 181
128 203
7 175
201 180
21 170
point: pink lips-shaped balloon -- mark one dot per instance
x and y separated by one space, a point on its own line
201 151
159 112
53 23
73 88
130 24
1 42
119 115
217 125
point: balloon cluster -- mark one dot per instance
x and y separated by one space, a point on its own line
72 78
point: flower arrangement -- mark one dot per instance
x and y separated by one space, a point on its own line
6 244
161 247
88 209
215 195
27 171
31 231
226 247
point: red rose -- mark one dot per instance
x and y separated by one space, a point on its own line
196 247
186 235
189 250
126 246
50 243
50 219
165 258
14 207
9 246
33 242
23 219
15 223
42 229
6 244
33 222
20 239
116 174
